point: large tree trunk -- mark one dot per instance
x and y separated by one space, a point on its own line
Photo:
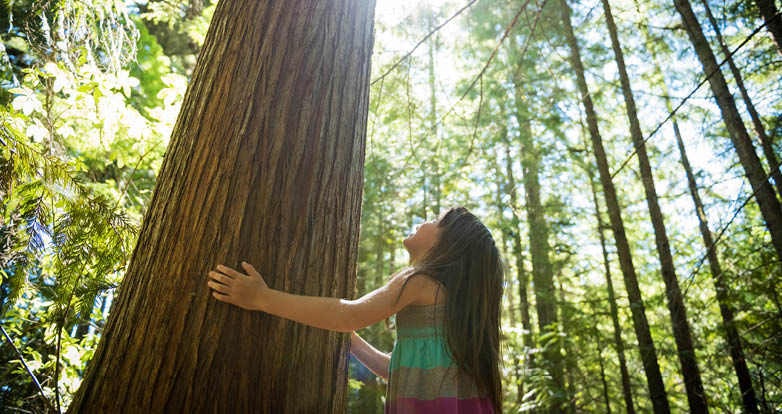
774 22
542 272
681 327
640 323
764 194
765 141
620 347
265 165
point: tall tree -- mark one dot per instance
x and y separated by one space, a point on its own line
265 165
640 323
765 141
756 175
681 327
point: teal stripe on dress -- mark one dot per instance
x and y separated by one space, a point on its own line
424 353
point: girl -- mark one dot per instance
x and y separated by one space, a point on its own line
447 306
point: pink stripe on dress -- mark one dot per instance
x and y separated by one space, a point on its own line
439 405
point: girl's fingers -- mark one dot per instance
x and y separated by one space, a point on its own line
219 277
219 287
230 272
221 297
250 269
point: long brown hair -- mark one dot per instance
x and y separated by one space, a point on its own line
468 265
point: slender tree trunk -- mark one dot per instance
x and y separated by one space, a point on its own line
433 119
681 328
767 201
640 323
504 248
765 141
732 336
265 165
620 348
502 186
542 272
522 278
731 333
570 361
773 21
602 368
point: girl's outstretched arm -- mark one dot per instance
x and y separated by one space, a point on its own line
249 291
377 362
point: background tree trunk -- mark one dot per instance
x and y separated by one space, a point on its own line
265 165
603 380
645 343
521 276
620 347
765 141
756 175
731 333
681 328
542 272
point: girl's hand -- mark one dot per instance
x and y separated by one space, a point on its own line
245 291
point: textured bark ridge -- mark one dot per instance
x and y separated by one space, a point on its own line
265 165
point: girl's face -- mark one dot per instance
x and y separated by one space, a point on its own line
420 242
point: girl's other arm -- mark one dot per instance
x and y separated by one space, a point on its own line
376 361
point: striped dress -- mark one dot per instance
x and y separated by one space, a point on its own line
422 377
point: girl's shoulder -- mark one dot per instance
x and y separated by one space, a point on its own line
422 288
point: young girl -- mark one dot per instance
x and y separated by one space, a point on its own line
447 306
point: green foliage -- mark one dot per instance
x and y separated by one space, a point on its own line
80 142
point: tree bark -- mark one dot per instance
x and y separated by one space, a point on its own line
773 22
265 165
767 200
681 328
640 323
765 141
